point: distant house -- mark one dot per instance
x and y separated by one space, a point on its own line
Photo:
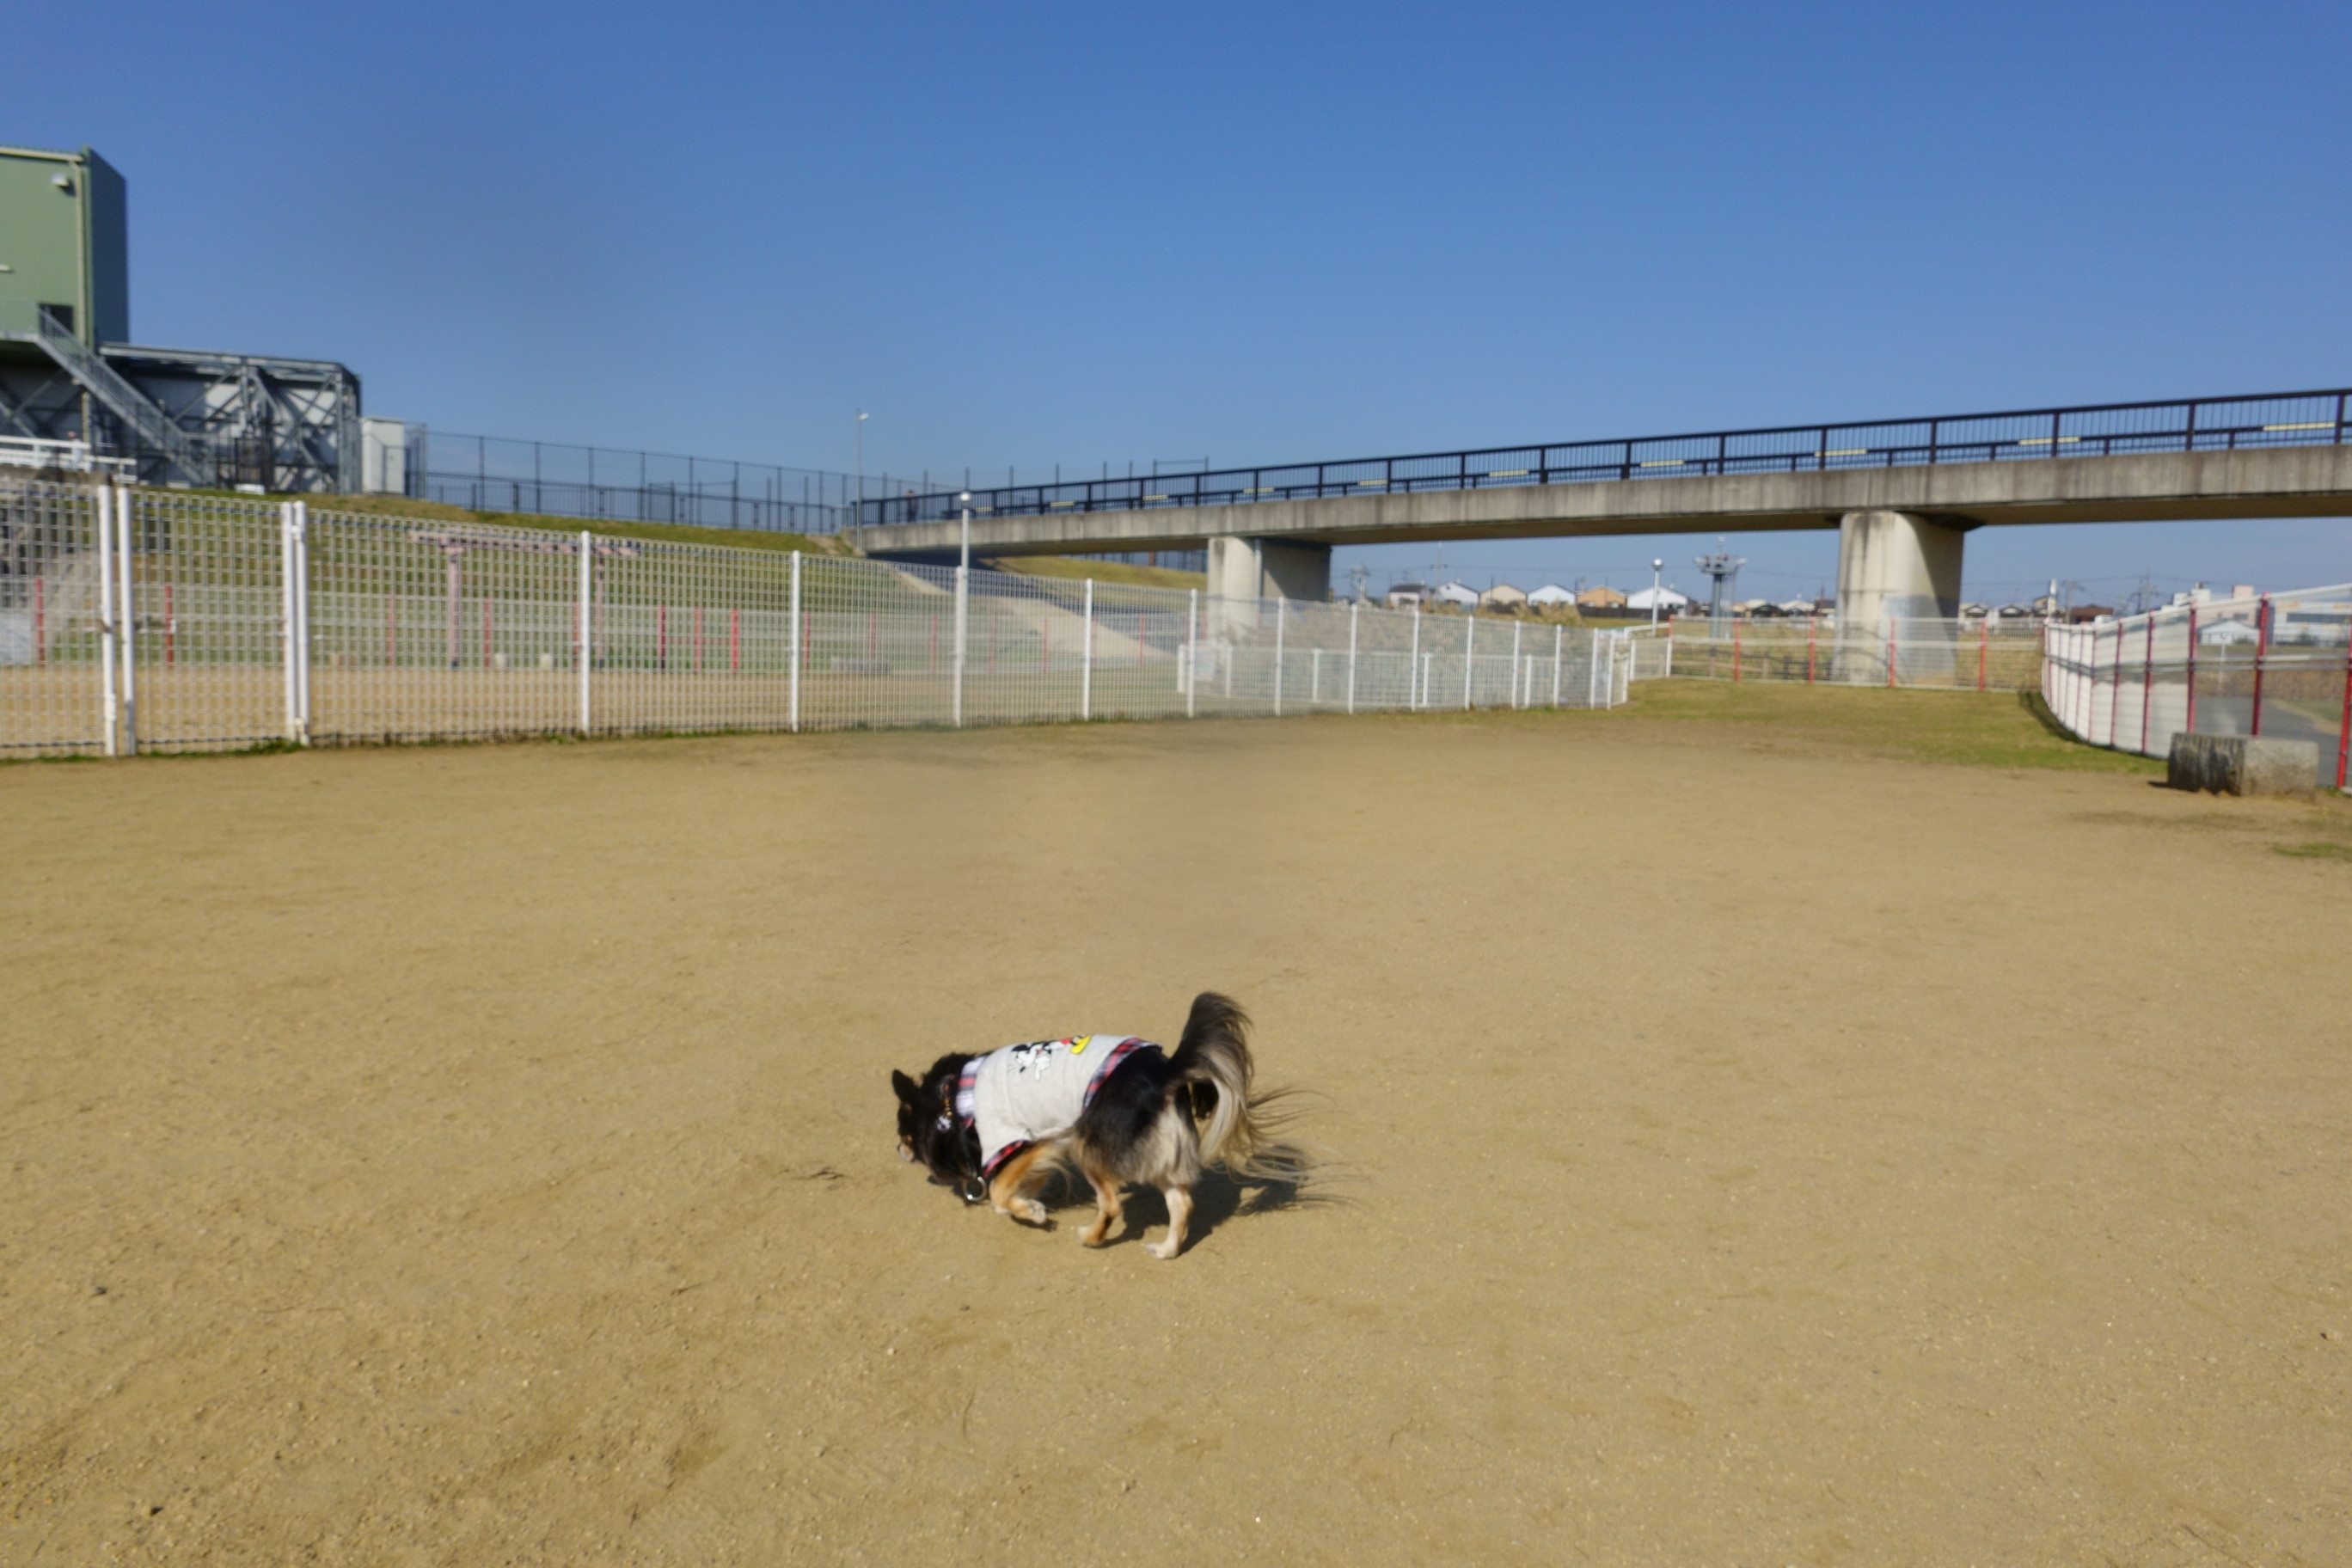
1550 596
2225 633
1504 598
1665 599
1455 593
1406 595
1803 608
1601 598
2083 615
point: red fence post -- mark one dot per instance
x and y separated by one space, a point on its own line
41 620
2147 684
2262 657
1735 653
171 626
870 644
2188 726
698 639
1893 648
734 640
390 633
2115 698
661 636
1812 642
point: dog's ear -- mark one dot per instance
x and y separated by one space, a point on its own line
908 1090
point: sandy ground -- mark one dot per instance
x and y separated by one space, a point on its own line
1743 1156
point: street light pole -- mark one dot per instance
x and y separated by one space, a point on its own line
963 601
857 515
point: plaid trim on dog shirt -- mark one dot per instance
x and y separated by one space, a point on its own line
1025 1093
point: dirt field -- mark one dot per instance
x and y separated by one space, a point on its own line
1752 1147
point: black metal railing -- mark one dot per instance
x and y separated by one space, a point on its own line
2275 419
490 473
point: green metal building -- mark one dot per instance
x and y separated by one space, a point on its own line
64 245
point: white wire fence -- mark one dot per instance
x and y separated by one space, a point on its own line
2277 664
1944 655
133 619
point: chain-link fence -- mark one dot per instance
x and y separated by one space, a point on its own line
1985 655
2276 664
250 623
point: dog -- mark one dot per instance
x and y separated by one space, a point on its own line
1117 1108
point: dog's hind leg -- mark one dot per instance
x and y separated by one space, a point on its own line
1108 1211
1179 1210
1009 1193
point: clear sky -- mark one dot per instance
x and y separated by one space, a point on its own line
1027 234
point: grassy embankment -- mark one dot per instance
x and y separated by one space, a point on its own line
1991 729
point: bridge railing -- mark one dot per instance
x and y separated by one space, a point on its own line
2276 664
2273 420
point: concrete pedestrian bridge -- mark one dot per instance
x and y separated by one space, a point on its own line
1903 494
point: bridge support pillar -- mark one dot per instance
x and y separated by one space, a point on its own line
1892 564
1268 568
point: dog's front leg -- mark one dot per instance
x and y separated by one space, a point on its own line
1008 1193
1179 1211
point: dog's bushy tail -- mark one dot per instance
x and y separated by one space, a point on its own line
1244 1121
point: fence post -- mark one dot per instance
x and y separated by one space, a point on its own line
301 593
2261 654
1984 646
962 633
102 513
1469 654
585 656
2189 725
289 574
1558 644
2344 729
1735 652
1591 673
2115 698
1352 610
1281 618
1413 670
1087 665
2147 684
1893 648
129 621
1191 651
793 682
1517 673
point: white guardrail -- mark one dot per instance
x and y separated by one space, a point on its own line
2277 664
169 620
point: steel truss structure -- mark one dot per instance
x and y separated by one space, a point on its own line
181 417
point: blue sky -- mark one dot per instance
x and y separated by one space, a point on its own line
1028 233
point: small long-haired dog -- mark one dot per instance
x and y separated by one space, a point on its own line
993 1127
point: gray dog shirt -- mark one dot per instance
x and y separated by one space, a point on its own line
1023 1094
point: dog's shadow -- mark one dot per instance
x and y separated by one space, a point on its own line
1217 1197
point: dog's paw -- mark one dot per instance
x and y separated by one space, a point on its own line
1164 1250
1029 1211
1091 1238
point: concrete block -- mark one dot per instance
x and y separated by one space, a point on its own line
2240 764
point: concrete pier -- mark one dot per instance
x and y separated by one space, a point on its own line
1895 565
1241 568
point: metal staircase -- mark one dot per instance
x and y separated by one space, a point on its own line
154 428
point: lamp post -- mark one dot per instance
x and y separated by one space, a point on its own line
857 514
1655 567
964 600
